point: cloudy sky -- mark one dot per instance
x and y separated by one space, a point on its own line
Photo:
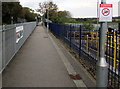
78 8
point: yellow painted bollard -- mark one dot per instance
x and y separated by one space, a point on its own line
91 38
87 42
111 41
115 51
97 44
74 35
97 38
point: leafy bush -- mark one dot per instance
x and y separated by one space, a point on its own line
88 26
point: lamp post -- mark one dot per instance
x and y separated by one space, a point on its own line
36 21
38 18
11 19
47 20
102 66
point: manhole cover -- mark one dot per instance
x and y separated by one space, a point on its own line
75 77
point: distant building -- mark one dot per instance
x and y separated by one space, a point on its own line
119 8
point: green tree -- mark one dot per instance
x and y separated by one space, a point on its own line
50 9
89 26
47 7
64 16
29 14
19 13
11 9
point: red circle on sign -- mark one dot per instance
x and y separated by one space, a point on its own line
105 11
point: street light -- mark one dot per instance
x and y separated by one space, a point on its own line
36 21
38 18
11 19
47 20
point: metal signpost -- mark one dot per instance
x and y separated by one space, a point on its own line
119 8
102 66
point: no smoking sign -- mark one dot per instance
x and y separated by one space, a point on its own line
105 11
105 14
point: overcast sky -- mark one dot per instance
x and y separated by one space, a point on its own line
78 8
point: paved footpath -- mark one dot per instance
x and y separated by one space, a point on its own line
37 64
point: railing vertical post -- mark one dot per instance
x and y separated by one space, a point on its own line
64 33
1 58
102 66
118 28
119 56
67 34
70 35
80 40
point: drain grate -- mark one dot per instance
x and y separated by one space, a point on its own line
45 37
75 77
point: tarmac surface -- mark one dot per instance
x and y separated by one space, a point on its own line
37 64
44 62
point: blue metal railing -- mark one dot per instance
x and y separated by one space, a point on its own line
85 44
